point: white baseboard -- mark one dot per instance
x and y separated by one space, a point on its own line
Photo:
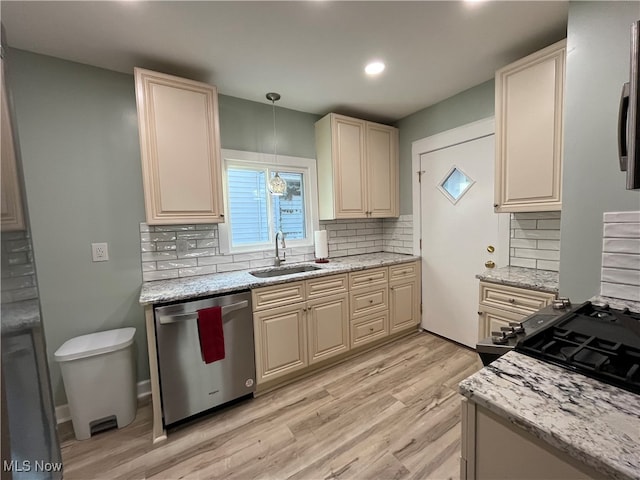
63 414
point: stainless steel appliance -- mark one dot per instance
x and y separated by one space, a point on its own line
499 343
188 385
628 120
595 340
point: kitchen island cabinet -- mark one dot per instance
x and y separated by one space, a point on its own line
180 149
529 135
524 418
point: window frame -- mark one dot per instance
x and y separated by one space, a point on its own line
266 161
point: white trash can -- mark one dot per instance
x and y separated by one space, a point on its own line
99 375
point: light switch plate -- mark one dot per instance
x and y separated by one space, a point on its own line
100 252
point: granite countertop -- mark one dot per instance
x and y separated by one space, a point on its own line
19 316
595 423
617 303
161 291
541 280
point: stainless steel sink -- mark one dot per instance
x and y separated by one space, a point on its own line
278 272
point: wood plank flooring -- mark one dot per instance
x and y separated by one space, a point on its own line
392 413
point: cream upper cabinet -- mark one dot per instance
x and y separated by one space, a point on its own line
529 138
12 214
180 149
357 168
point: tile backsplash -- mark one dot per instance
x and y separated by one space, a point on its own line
535 240
18 272
621 256
174 251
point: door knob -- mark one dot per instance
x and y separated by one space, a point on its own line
491 249
489 264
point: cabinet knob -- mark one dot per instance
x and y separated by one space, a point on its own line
479 313
512 300
370 301
495 205
371 279
222 215
371 329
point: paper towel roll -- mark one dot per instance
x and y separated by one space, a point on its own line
321 244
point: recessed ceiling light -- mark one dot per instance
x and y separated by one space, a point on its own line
374 68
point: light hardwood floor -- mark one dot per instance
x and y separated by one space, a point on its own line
392 413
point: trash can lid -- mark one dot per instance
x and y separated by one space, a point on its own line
95 344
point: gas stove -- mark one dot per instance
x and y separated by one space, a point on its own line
595 340
499 343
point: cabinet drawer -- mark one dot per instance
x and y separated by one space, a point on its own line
369 329
277 295
323 286
403 271
367 301
513 299
367 278
491 319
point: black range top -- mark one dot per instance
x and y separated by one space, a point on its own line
595 340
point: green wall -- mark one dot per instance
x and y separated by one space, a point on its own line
473 104
597 65
79 138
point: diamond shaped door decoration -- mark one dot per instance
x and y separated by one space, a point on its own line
455 184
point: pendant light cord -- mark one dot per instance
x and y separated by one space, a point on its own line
275 137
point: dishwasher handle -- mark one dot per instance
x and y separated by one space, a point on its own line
166 319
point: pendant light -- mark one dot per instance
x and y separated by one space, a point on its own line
277 186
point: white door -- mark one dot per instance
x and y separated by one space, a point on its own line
458 227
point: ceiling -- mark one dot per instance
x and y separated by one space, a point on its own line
312 52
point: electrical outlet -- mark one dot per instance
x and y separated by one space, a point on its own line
100 252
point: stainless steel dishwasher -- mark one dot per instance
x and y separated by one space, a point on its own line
189 385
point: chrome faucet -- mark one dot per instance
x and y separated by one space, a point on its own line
277 261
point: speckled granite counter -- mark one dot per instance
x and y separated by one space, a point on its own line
20 316
541 280
593 422
182 288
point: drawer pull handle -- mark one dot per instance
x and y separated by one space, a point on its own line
512 300
370 301
371 279
371 329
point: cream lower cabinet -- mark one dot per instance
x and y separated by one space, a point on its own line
502 304
493 448
281 334
369 305
357 168
311 324
328 327
180 149
404 296
529 136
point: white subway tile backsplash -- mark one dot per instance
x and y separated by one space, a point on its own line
173 264
153 256
622 245
523 262
535 240
621 217
621 256
553 265
346 237
621 230
620 275
621 260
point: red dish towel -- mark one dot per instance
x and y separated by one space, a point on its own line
211 334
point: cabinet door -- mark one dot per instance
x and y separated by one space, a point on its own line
404 305
180 149
281 341
529 98
349 167
382 170
12 216
328 326
491 319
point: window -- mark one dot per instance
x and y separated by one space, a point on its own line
254 215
